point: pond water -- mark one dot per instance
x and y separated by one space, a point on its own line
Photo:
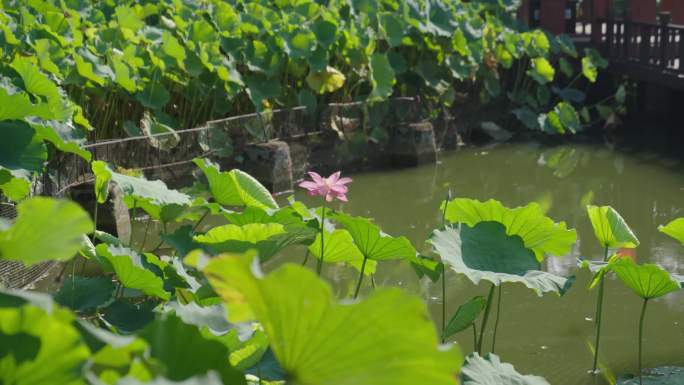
547 336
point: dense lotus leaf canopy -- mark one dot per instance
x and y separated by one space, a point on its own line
610 228
134 270
675 229
489 370
267 238
538 232
646 280
45 229
235 187
485 251
320 342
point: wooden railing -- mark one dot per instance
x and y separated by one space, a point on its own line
657 47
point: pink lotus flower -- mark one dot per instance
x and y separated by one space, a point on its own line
331 187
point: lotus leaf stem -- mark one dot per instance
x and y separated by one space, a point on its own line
488 308
306 258
496 320
474 336
358 284
599 311
443 303
319 267
200 220
641 336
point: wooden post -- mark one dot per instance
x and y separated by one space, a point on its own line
663 31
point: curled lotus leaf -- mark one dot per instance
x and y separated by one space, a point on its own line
486 252
539 233
646 280
489 370
610 228
675 229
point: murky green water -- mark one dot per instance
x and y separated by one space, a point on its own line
548 336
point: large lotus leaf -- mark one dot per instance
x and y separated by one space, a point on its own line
45 229
152 196
133 270
21 150
675 229
539 232
154 95
318 341
610 229
235 188
489 370
300 44
382 77
63 135
372 242
128 317
646 280
39 85
85 293
326 81
14 188
184 352
263 237
261 88
38 345
485 251
338 246
17 105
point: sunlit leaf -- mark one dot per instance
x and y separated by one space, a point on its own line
646 280
538 232
675 229
610 229
133 270
235 187
45 229
304 323
339 246
372 242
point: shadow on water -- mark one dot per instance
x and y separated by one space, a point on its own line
547 336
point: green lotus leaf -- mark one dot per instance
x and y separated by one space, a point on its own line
675 229
372 242
154 95
14 188
38 344
539 233
317 341
85 293
37 83
261 89
238 239
382 77
568 117
485 251
126 17
394 27
325 31
338 246
15 104
173 48
63 135
21 150
326 81
185 353
87 69
235 188
45 229
542 71
122 74
465 315
300 44
489 370
426 266
610 229
128 317
152 196
646 280
133 270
